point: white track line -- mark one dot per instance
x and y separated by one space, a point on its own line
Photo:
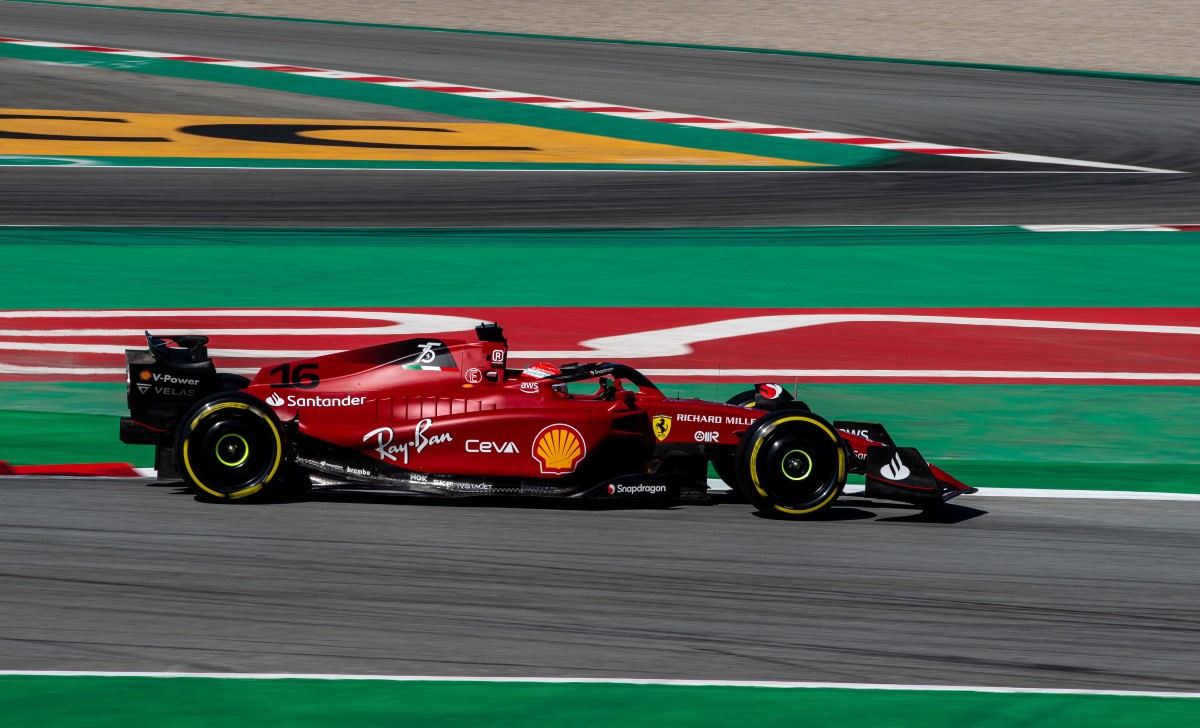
613 681
857 491
1064 493
1107 228
997 227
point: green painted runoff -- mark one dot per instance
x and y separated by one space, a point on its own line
144 702
1023 436
737 267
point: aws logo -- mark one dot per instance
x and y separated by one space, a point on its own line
558 449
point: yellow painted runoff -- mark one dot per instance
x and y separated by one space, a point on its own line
38 132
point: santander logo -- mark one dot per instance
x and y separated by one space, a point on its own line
275 400
895 469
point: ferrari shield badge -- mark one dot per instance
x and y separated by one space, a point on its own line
662 427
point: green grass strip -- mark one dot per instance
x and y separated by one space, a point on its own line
1119 75
1014 423
34 438
136 702
737 267
842 155
998 436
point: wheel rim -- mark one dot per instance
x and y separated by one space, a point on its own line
232 450
796 465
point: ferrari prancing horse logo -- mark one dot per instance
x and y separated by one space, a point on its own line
662 427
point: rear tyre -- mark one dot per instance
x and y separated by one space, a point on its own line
791 464
230 448
232 382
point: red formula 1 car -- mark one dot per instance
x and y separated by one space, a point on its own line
448 418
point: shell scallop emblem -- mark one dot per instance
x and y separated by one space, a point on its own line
558 449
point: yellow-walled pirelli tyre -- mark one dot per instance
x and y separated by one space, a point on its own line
230 448
791 464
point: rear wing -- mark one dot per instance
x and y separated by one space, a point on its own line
178 349
161 383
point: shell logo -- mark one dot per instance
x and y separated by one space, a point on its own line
558 449
144 375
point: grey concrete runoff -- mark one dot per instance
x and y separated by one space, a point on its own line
1151 36
126 575
33 85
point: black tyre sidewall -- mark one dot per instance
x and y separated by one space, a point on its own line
726 465
232 382
742 398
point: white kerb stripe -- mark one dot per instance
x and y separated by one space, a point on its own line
616 681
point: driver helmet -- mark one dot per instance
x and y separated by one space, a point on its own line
541 370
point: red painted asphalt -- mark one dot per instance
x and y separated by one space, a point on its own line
729 339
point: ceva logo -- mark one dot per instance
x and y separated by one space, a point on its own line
503 448
275 400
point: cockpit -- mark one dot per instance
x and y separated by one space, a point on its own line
613 381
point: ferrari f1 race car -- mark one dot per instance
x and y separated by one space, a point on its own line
448 418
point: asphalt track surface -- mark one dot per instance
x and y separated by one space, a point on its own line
121 575
1124 122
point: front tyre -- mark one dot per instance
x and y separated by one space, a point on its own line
791 464
230 448
725 465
